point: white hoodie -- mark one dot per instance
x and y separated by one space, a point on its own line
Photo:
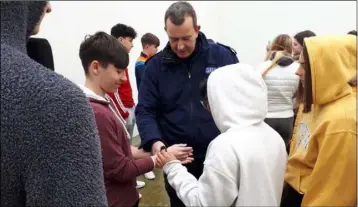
245 165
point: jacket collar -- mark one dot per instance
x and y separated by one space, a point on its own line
142 54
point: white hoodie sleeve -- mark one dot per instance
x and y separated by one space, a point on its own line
214 187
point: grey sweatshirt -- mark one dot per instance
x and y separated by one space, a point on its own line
50 149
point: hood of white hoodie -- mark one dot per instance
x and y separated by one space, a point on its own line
237 96
90 94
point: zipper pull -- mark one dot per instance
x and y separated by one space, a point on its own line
189 74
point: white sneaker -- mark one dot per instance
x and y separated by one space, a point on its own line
149 175
140 195
140 184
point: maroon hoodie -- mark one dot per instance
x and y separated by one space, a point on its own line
120 169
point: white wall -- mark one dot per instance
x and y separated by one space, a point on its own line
246 26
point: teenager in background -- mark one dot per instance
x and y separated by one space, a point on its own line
150 44
50 149
104 61
298 42
322 164
123 96
282 42
279 74
245 164
169 110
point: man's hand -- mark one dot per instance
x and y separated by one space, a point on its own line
182 152
156 147
163 158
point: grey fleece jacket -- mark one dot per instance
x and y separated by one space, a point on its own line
50 149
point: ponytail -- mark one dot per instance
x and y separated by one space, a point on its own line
280 58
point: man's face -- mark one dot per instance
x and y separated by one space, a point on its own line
108 78
297 47
182 38
127 43
151 50
47 9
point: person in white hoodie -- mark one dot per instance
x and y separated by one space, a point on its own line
245 164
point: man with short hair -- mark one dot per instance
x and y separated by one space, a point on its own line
150 44
169 110
104 61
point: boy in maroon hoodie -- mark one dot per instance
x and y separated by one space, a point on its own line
104 61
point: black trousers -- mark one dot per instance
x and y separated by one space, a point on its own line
196 169
283 126
137 204
290 197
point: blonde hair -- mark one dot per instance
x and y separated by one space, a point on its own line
282 42
275 57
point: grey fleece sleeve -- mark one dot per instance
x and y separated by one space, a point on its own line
65 168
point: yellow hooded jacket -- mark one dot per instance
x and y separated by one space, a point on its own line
322 164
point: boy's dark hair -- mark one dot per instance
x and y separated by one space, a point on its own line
105 49
122 30
178 11
302 35
353 32
150 39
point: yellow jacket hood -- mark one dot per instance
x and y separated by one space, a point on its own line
333 61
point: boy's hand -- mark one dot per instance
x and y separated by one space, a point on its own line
163 158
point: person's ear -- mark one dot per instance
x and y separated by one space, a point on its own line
95 67
120 39
197 29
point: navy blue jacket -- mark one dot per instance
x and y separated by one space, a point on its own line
169 107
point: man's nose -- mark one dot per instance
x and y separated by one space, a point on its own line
180 46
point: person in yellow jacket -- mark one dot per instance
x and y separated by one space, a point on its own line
322 164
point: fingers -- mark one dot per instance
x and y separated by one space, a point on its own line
179 145
187 160
159 161
160 156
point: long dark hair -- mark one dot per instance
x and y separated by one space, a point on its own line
307 90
